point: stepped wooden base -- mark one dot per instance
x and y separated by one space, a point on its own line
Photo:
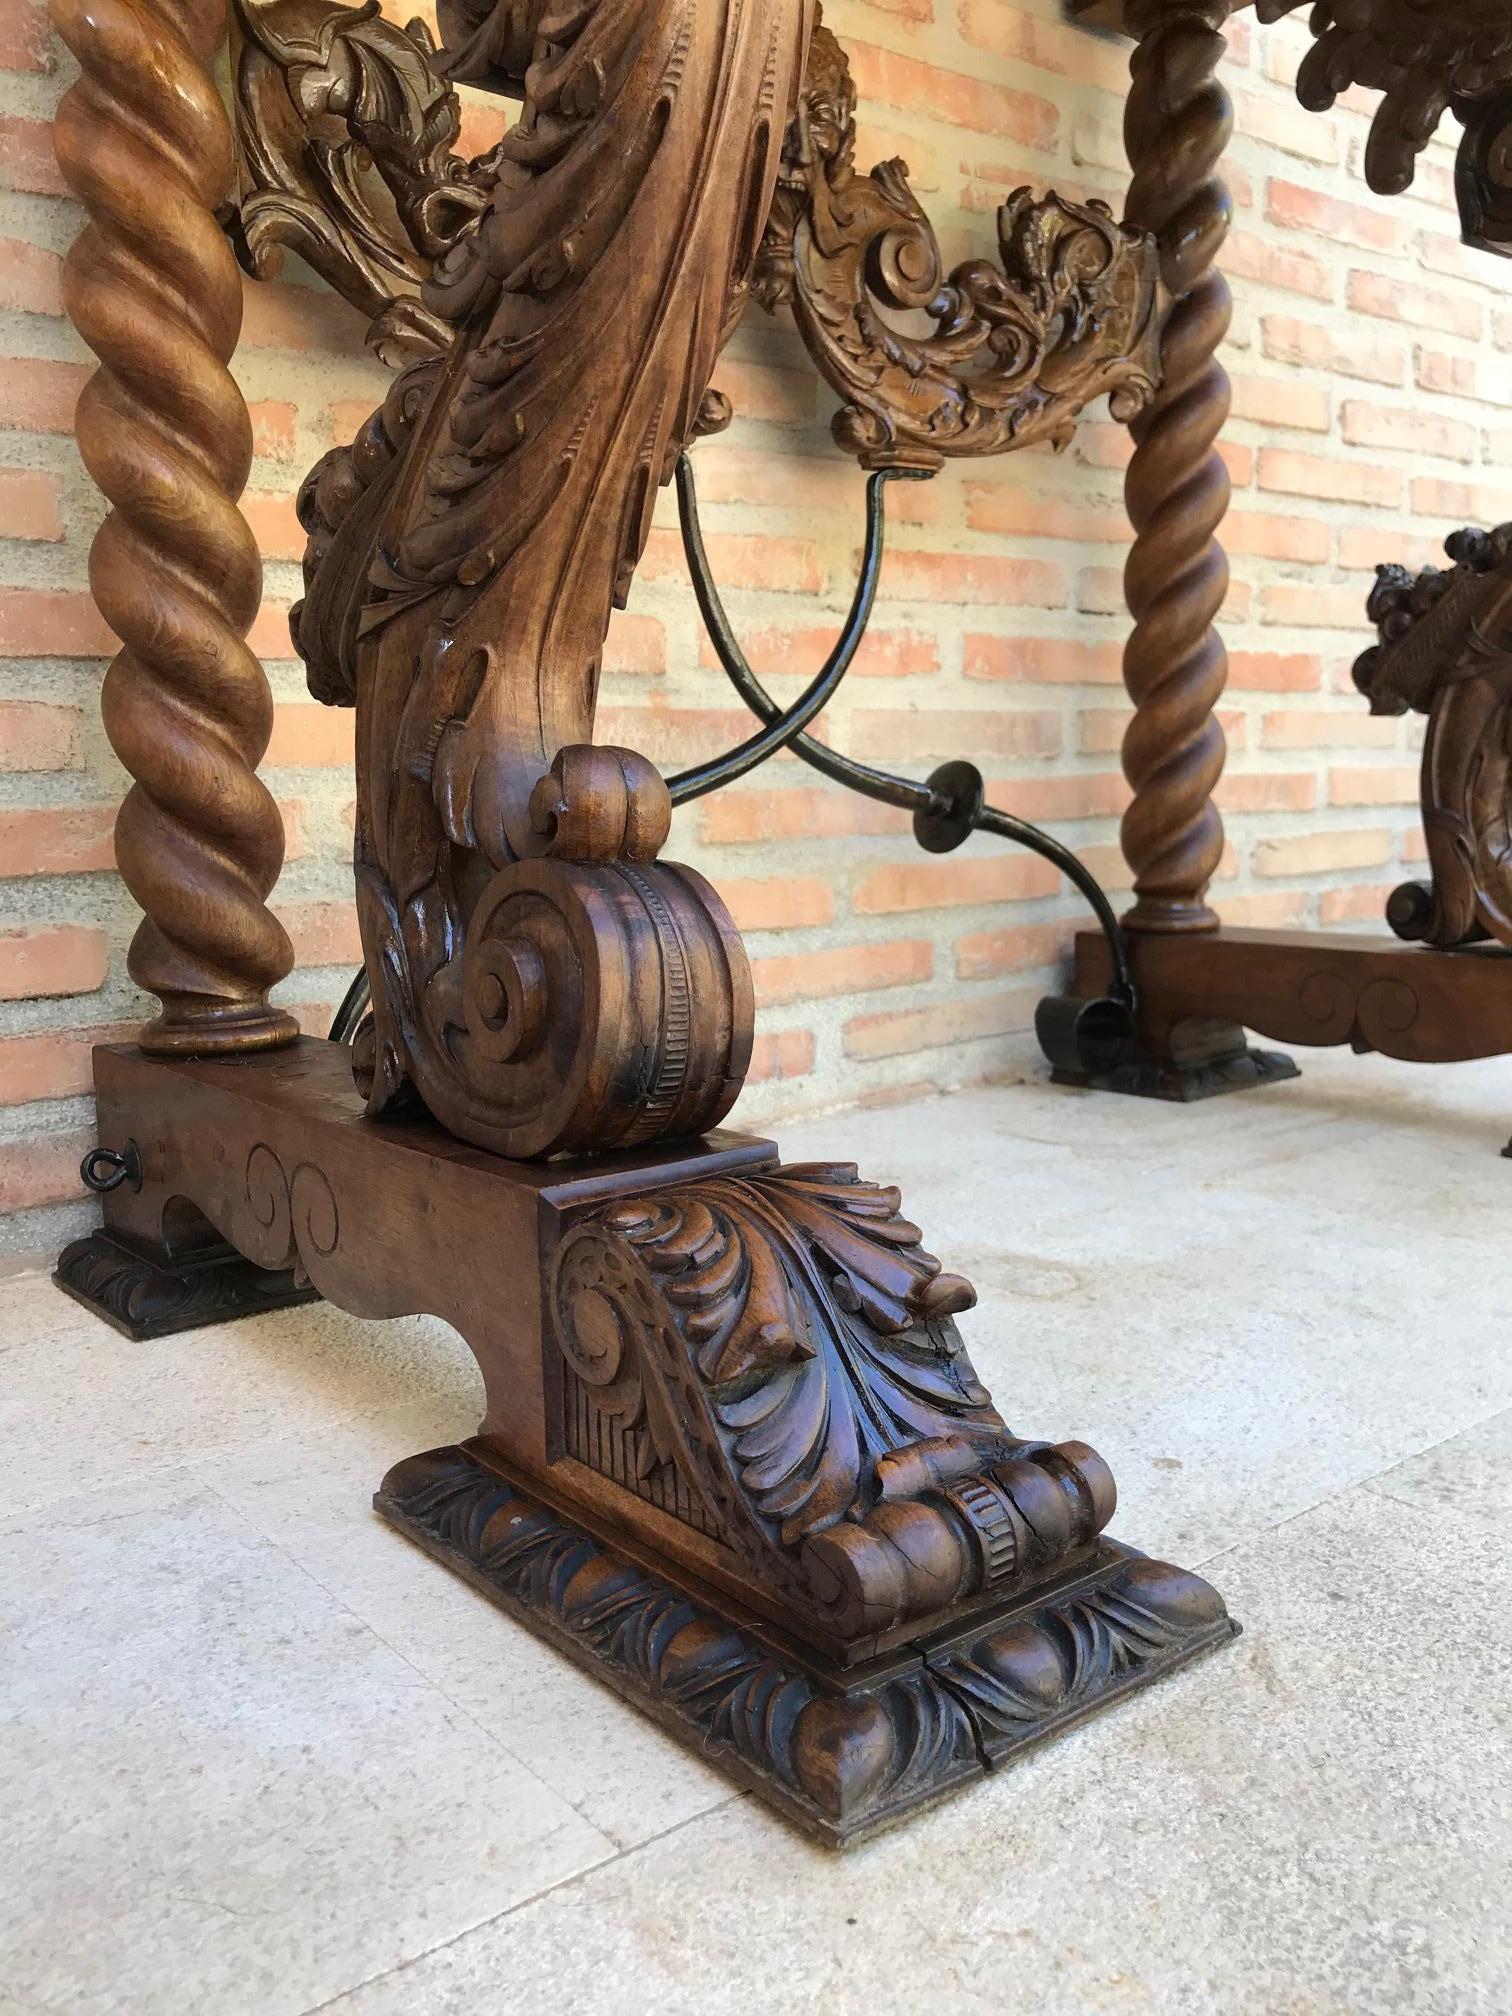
735 1458
154 1293
843 1753
1313 989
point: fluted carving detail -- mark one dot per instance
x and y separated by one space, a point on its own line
1177 124
152 286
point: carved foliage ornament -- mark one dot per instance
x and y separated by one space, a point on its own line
346 136
1428 57
1446 651
1014 352
781 1349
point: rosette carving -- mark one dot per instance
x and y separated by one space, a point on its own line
1016 350
151 286
780 1351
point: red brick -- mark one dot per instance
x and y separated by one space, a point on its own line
1390 784
1275 672
42 1171
1266 791
1256 262
983 955
1306 607
1420 307
57 839
55 1064
273 424
37 963
31 278
974 102
1085 794
1460 503
1297 209
963 1019
844 969
1407 431
1277 536
279 315
1044 661
929 885
1317 730
1362 904
1044 45
1338 350
782 1053
999 732
1320 853
52 623
735 817
25 39
739 560
278 532
778 902
1282 402
30 505
38 395
27 162
776 648
970 578
768 392
1022 511
1301 475
307 735
1437 371
635 645
37 735
322 934
1267 910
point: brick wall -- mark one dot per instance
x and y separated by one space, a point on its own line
1373 404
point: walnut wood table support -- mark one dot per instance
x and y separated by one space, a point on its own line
735 1460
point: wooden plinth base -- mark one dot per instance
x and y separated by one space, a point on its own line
154 1294
842 1753
735 1458
1316 990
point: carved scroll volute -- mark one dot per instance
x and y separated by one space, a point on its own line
1071 312
537 975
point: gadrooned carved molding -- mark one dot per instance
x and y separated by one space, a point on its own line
839 1761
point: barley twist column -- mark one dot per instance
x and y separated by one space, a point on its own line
152 286
1177 123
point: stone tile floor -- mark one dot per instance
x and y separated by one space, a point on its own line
258 1757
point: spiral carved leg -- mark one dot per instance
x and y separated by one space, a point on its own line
152 286
1177 124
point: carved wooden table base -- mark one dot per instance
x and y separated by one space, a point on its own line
735 1461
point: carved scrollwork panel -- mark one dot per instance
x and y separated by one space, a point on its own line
1015 350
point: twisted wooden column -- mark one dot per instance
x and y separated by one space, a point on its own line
1177 123
152 286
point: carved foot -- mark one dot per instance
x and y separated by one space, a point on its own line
1197 1060
843 1753
145 1297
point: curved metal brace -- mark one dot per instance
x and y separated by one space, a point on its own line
782 726
948 807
